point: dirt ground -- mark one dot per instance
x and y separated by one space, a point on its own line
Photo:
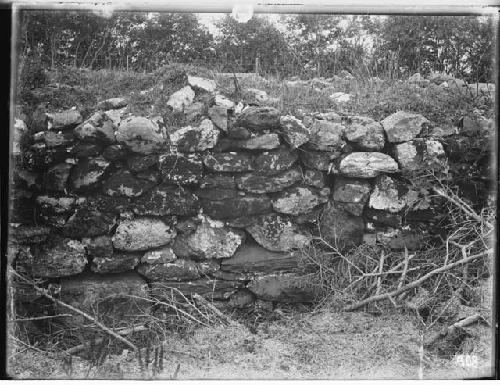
325 345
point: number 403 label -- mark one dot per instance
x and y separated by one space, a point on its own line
467 360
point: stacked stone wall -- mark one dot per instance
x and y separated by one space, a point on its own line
220 204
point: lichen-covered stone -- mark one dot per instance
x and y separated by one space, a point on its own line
60 258
259 118
106 204
87 223
181 99
403 126
261 142
326 136
275 161
63 120
388 195
178 270
286 287
366 133
351 194
294 131
367 164
28 234
98 128
88 172
123 183
228 162
137 163
115 263
140 135
277 233
420 154
162 255
142 234
237 207
299 200
210 240
340 228
181 169
207 85
314 178
195 139
218 115
260 184
319 160
252 259
167 200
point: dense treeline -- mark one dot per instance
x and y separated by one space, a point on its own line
304 45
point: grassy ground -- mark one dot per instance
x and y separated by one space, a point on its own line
325 345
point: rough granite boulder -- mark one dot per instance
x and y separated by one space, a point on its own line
97 129
403 126
181 99
63 120
351 194
218 115
261 184
58 258
140 135
195 139
228 162
277 233
259 118
294 131
326 136
340 228
367 164
366 133
211 240
299 200
142 234
420 154
389 195
181 169
123 183
167 199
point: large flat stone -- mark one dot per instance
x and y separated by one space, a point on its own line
340 228
181 169
367 164
277 233
118 262
282 288
87 223
178 270
228 162
63 120
243 206
211 240
260 184
142 234
259 118
167 200
299 200
275 161
123 183
261 142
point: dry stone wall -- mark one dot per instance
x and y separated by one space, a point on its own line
218 203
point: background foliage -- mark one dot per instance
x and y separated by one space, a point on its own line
296 45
